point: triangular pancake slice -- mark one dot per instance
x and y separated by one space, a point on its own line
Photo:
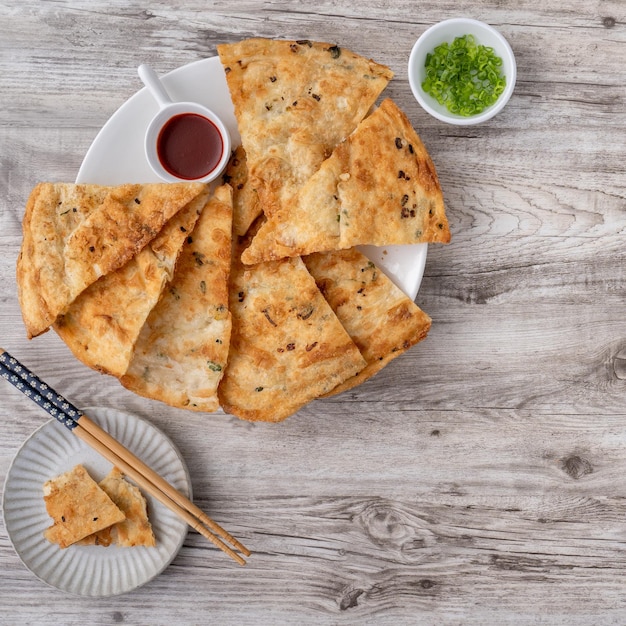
181 352
381 320
78 506
294 102
73 234
287 345
102 325
388 189
379 187
309 224
136 529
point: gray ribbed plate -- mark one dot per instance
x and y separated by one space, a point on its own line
91 570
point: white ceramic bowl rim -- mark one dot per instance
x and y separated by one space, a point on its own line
166 113
447 30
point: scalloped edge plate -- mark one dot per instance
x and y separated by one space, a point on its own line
117 155
93 571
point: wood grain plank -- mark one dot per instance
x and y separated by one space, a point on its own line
478 478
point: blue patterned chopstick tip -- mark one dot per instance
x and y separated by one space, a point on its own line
38 391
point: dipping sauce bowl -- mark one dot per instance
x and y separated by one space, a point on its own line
185 141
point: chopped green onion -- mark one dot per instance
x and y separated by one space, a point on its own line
464 76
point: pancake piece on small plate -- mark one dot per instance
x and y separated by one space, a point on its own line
136 529
78 506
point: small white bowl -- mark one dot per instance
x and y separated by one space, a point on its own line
169 110
447 31
158 123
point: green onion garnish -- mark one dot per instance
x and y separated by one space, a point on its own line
464 76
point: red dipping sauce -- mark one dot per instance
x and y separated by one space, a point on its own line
190 146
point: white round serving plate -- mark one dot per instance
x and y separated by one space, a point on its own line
94 571
117 154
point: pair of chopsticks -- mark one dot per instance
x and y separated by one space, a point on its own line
112 450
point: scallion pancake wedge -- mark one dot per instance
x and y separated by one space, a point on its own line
182 349
73 234
379 187
381 320
287 346
102 325
294 102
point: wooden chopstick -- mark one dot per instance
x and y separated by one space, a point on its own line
141 480
97 438
89 427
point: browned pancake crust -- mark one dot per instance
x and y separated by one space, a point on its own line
73 234
381 320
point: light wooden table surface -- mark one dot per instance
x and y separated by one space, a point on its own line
480 478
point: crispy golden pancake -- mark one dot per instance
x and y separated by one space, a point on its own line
294 102
379 187
78 506
136 529
182 349
73 234
287 345
381 320
102 325
246 206
320 170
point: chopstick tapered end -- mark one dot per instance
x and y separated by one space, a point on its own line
243 549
